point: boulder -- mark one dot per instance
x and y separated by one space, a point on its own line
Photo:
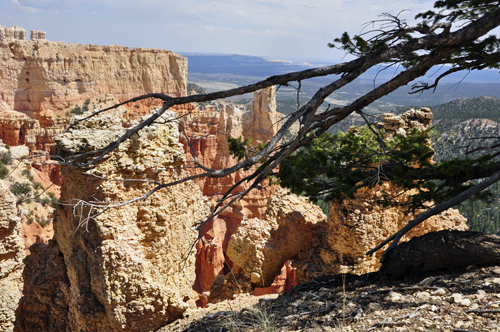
444 250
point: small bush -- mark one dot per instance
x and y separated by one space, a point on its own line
30 220
38 185
85 107
27 173
20 199
20 188
6 157
4 171
7 146
53 200
77 110
43 222
137 106
45 201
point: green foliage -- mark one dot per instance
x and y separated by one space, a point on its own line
4 171
44 201
6 158
26 172
53 200
19 189
38 185
7 146
242 148
77 110
466 109
334 167
325 206
43 222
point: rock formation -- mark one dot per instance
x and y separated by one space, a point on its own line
259 124
440 251
129 268
356 226
17 128
42 80
45 302
11 258
40 75
15 32
37 35
260 247
34 233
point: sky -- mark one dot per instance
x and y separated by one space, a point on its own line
278 29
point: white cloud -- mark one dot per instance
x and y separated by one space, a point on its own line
53 6
242 13
26 9
275 28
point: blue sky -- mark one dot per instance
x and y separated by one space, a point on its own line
278 29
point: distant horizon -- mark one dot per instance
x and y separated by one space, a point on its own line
271 28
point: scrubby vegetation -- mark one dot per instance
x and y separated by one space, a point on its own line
26 172
4 171
6 158
77 110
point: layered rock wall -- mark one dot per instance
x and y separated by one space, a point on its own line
259 124
11 258
17 128
39 75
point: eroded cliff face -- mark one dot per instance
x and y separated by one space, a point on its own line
130 267
258 124
260 247
41 81
17 128
11 258
38 75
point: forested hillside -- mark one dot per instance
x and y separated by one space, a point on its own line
462 126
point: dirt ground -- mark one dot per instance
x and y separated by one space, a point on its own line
466 300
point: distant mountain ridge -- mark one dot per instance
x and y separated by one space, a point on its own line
247 65
240 65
